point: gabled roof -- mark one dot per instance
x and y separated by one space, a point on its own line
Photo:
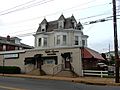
79 26
89 53
44 21
3 40
52 25
61 17
73 18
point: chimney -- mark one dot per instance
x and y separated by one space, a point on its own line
8 38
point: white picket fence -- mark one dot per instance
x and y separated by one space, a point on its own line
95 73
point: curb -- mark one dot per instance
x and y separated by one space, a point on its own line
64 79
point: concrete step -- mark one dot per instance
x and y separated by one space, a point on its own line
65 73
36 72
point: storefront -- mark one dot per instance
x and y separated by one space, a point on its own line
47 60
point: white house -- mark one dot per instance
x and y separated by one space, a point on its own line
64 32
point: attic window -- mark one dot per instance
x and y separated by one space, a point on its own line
61 24
74 25
43 28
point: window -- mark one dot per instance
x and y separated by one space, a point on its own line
43 27
58 39
61 24
4 47
76 40
39 42
83 42
45 41
20 48
75 25
64 39
16 48
50 61
43 30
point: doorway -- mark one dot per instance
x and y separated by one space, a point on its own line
66 57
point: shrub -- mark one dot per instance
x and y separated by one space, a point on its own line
10 70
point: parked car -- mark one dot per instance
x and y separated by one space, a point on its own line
102 66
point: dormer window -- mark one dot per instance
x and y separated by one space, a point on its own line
61 21
61 24
74 24
43 28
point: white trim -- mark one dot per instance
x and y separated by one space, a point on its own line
49 48
16 51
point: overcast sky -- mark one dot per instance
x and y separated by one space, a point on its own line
23 16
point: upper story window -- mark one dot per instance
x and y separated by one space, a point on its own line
20 48
42 42
45 41
58 39
16 48
4 47
39 42
61 24
76 40
64 39
83 42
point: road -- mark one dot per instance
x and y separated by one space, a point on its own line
10 83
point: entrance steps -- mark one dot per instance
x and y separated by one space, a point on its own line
66 73
37 72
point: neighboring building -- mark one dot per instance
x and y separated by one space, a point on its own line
64 32
12 43
110 57
111 53
90 58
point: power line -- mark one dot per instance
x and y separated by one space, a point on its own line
66 11
17 6
26 7
31 5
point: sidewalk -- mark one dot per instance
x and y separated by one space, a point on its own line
86 80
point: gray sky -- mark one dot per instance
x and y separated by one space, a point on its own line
18 20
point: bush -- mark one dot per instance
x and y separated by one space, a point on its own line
10 70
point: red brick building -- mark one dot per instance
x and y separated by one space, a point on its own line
90 58
12 43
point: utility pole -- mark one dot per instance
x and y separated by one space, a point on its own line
115 43
109 55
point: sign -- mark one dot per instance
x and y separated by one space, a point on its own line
51 52
11 55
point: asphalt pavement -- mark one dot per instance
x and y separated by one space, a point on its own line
15 83
85 80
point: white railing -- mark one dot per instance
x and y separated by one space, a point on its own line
95 73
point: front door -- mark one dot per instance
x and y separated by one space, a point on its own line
67 63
